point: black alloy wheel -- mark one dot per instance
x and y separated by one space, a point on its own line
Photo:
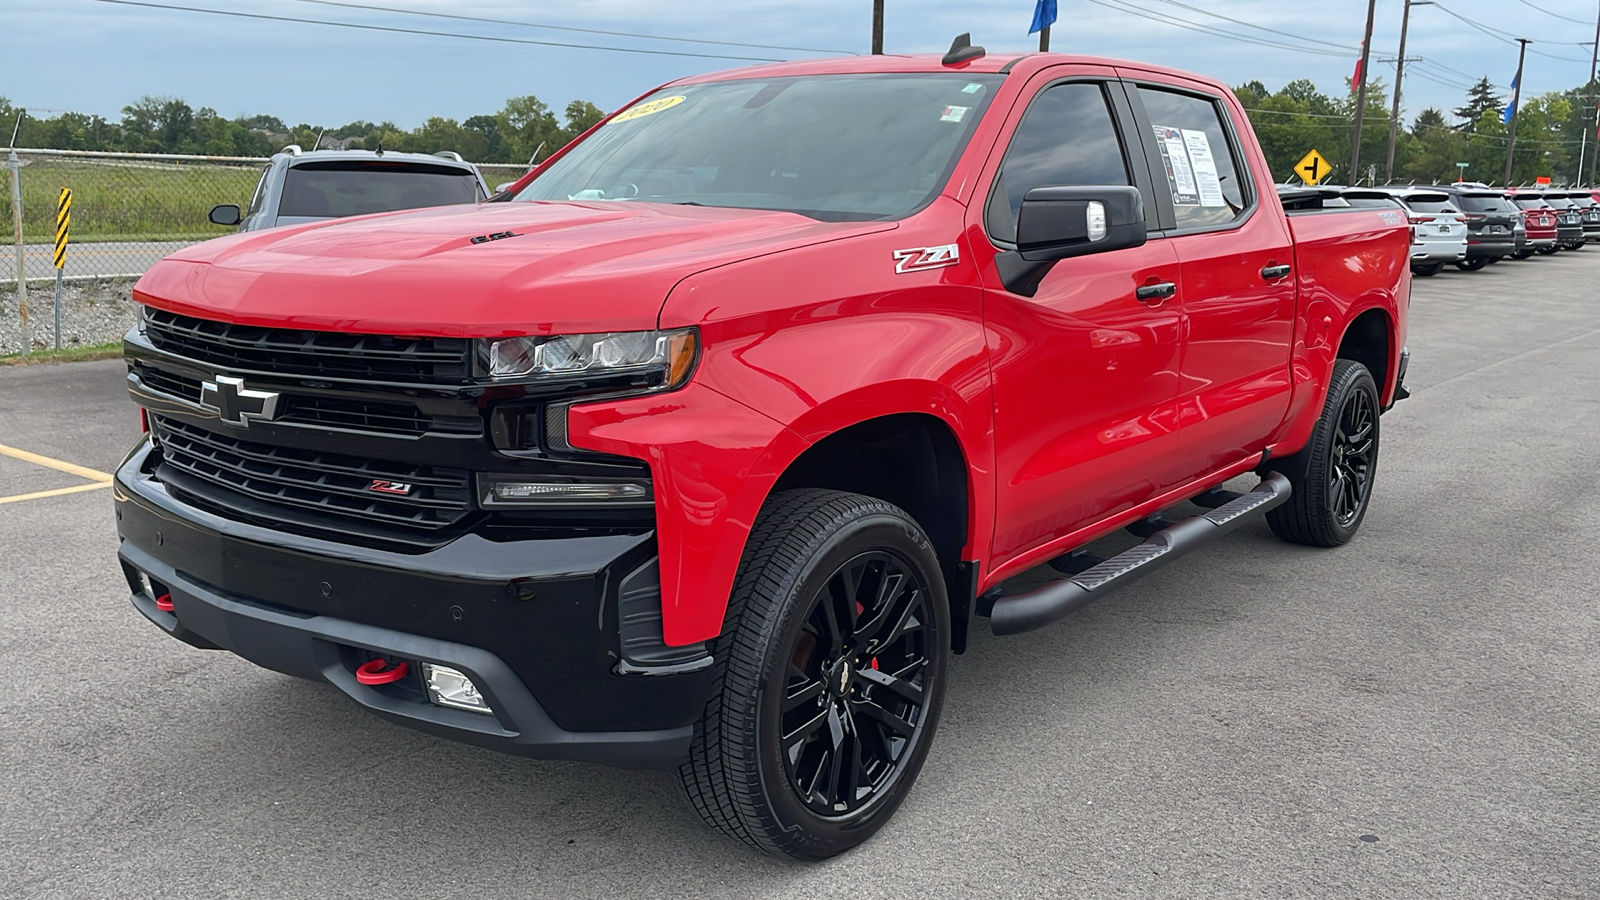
1355 455
828 679
854 696
1333 475
1546 251
1427 270
1472 265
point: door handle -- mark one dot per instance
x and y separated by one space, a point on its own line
1273 273
1159 293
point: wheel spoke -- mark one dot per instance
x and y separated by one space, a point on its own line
890 591
835 725
900 686
805 731
883 717
807 694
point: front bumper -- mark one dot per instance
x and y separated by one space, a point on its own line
534 623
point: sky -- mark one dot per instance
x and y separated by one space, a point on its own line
94 57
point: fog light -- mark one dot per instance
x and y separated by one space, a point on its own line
537 492
448 687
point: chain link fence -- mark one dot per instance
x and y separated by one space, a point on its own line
128 210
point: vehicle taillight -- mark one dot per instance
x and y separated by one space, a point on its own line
1418 220
144 420
1474 217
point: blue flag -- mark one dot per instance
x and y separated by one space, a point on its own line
1044 15
1511 110
1514 79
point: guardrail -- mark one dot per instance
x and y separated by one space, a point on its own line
129 210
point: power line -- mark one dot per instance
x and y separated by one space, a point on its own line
1345 47
1503 38
1433 62
1141 12
469 37
627 34
1549 13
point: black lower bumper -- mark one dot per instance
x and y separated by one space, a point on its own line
1491 248
533 623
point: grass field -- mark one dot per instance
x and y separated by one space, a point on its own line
130 199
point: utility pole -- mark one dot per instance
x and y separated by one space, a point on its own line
1399 73
1516 108
1044 39
1361 90
877 27
1594 64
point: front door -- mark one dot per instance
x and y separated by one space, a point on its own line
1085 374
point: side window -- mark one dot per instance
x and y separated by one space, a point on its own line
260 194
1066 137
1207 189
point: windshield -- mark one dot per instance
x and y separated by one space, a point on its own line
1367 202
1483 203
1429 206
357 187
834 147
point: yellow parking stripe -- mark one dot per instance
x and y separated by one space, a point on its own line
58 465
75 489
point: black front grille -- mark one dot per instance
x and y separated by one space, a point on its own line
224 469
375 416
329 354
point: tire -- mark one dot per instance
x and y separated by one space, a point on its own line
1492 260
1522 254
1332 494
1427 271
1546 251
1471 265
748 775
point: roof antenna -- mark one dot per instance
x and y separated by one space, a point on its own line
380 148
961 50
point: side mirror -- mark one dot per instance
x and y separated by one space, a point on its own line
225 214
501 188
1061 222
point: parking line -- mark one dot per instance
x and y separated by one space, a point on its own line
58 465
37 495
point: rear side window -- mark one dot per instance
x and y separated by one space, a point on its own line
1199 160
260 194
1066 137
329 189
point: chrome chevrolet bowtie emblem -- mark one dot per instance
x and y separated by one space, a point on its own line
236 404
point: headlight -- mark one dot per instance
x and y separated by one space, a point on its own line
671 353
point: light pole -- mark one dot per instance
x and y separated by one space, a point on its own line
1361 89
1516 103
877 27
1399 73
1594 64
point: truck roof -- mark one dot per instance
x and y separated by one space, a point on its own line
1023 64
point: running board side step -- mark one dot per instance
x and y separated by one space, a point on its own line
1042 606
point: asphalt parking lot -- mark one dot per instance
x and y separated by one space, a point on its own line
1415 715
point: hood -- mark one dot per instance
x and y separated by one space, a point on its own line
564 268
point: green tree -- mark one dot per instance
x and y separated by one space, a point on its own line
1481 98
528 127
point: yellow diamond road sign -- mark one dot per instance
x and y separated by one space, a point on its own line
1313 168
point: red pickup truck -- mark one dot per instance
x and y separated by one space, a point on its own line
705 445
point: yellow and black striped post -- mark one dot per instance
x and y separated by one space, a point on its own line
63 222
63 225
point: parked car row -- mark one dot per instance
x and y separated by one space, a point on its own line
1470 225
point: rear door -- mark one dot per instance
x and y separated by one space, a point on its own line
1236 260
1085 373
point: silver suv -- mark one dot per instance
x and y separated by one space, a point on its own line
1438 228
300 187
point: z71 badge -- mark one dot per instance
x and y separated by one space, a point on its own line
918 258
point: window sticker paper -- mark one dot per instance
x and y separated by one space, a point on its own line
954 113
1180 174
1205 167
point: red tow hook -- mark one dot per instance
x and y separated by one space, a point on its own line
372 672
164 603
